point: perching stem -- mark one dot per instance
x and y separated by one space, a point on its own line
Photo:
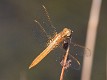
64 63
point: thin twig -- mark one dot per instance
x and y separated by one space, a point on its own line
64 63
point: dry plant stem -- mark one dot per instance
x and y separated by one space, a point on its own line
91 38
63 68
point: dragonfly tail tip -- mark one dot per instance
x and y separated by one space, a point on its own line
30 66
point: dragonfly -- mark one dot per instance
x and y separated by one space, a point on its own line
64 37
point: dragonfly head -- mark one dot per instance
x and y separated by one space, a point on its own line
67 32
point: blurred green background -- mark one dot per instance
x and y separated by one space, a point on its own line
19 46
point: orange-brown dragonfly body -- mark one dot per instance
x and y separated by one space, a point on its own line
58 38
55 41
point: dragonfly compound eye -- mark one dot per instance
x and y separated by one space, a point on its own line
67 31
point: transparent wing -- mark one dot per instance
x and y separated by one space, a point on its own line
72 62
43 28
78 50
48 20
39 34
75 56
75 62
